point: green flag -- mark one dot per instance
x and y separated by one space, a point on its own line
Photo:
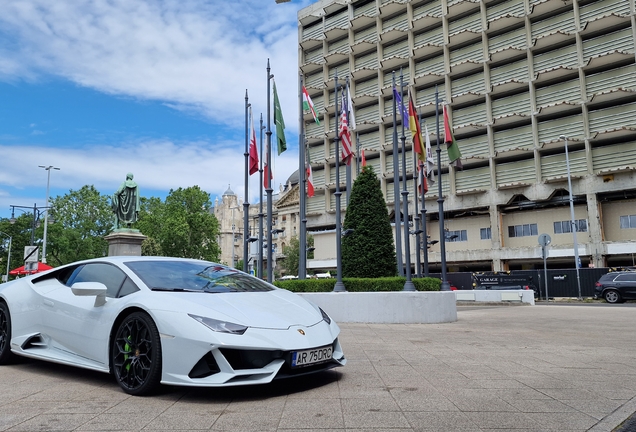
280 124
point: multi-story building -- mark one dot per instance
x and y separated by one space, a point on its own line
520 77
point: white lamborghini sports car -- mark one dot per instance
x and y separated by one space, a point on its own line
151 320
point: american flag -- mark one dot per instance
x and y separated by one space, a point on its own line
344 134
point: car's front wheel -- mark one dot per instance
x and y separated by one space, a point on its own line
136 354
612 296
6 356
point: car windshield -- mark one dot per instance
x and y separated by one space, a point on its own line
195 276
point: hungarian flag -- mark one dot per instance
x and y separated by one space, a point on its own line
280 124
308 105
416 130
430 161
253 161
454 155
310 182
344 134
364 160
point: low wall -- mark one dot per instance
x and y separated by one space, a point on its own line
402 307
523 296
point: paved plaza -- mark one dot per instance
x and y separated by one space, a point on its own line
533 368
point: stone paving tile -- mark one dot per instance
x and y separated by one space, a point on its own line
384 420
52 422
502 420
443 420
563 421
183 421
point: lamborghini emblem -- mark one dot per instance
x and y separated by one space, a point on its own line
301 331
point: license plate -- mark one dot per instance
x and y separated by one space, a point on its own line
312 356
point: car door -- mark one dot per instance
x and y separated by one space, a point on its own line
79 324
626 284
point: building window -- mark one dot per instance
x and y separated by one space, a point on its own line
523 230
456 236
628 222
563 227
485 233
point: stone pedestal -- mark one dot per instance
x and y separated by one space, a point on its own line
125 242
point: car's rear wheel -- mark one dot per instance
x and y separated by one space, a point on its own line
136 354
612 296
6 356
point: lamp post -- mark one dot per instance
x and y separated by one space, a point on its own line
576 245
8 255
46 203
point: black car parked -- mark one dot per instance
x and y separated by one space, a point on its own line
616 287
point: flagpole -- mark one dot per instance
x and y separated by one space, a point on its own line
408 285
339 286
302 176
417 170
260 206
268 189
396 189
440 199
246 204
357 153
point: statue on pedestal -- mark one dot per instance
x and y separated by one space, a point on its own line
125 203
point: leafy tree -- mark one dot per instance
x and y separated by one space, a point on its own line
291 263
369 251
82 219
182 226
20 233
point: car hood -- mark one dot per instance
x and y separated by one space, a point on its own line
278 309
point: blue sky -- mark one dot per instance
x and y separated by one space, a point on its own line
100 88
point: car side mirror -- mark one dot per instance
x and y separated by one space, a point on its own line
98 289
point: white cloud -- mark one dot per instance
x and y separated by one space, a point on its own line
190 52
193 55
158 166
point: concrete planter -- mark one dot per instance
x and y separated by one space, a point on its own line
401 307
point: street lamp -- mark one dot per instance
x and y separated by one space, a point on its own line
46 203
8 255
576 245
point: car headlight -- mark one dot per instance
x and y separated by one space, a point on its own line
220 326
325 316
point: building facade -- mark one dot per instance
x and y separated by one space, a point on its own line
285 222
520 78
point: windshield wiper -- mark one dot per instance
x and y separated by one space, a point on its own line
174 289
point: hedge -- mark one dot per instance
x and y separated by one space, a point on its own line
359 284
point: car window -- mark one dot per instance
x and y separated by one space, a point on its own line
195 276
628 277
107 274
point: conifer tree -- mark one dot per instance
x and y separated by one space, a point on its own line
369 250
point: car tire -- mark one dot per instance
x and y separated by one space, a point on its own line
136 354
6 356
612 296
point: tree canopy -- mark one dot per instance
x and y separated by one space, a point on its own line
291 263
369 250
182 226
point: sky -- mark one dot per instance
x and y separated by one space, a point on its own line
101 88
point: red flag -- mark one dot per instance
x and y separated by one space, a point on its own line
364 160
454 155
253 162
344 135
310 182
422 178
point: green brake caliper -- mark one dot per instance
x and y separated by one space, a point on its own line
127 348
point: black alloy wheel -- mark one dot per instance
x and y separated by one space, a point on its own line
5 334
612 296
136 355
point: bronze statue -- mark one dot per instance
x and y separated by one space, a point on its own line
125 203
